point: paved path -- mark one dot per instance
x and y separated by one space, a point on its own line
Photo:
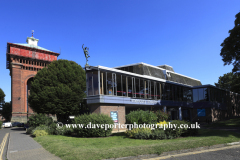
22 147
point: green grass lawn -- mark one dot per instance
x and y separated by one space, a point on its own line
228 123
120 146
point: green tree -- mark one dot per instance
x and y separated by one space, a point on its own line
230 51
7 111
229 81
2 96
58 89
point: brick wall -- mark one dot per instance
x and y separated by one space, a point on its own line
106 109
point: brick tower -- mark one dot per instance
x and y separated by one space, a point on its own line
24 60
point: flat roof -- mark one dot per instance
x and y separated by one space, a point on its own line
137 75
156 68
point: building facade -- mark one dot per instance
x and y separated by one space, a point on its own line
123 89
24 60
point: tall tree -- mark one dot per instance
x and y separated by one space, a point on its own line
58 89
230 51
229 81
2 96
7 111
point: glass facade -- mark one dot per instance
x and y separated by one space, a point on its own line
128 86
200 95
115 84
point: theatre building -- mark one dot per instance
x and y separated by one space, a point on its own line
120 90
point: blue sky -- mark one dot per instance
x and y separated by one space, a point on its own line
184 34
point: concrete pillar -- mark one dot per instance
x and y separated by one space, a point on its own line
180 113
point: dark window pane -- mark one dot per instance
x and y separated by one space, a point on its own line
119 85
180 93
176 95
137 81
133 88
141 92
102 82
152 90
129 94
114 82
146 89
95 83
201 96
105 83
167 91
189 95
163 91
124 85
90 83
195 95
185 92
205 94
158 90
109 84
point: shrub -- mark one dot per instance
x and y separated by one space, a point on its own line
1 124
41 127
162 116
132 133
39 119
143 133
94 131
141 117
63 130
30 129
158 134
38 133
176 132
52 128
140 133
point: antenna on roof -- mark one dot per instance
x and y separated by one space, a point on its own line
32 32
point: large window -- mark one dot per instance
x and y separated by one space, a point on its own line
124 85
119 85
142 89
195 95
109 84
200 94
152 90
159 91
130 87
92 83
137 82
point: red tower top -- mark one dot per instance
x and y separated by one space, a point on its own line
29 50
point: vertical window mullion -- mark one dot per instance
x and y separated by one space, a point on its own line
121 85
107 93
99 82
127 86
92 85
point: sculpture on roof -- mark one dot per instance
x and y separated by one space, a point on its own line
85 50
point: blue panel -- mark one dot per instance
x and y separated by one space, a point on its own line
201 112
